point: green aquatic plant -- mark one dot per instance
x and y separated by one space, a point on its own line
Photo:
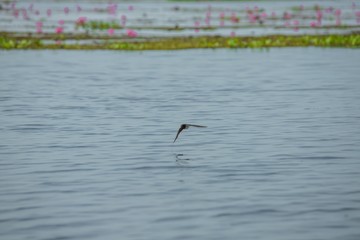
31 42
99 25
11 43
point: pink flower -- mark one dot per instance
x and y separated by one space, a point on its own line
263 15
313 24
39 24
287 16
48 12
222 15
25 14
296 25
232 34
234 18
80 21
357 14
319 16
39 27
78 8
112 8
59 30
61 22
337 12
252 17
131 8
16 13
329 9
131 33
66 10
197 25
111 31
123 20
207 21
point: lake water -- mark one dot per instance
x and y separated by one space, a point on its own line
87 152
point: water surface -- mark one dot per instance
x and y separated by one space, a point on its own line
86 146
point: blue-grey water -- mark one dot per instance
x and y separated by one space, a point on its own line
86 144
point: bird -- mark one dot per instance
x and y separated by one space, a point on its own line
186 126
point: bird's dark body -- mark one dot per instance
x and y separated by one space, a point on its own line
186 126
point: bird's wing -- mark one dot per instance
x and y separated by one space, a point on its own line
179 131
192 125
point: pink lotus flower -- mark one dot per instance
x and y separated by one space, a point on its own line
207 21
252 17
263 15
329 10
222 15
232 34
197 25
66 10
234 18
313 24
338 12
16 13
39 26
48 12
112 8
131 8
61 22
80 21
111 31
123 20
78 8
319 16
59 30
357 14
287 16
337 15
131 33
296 25
25 14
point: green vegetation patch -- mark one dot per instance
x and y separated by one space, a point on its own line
348 41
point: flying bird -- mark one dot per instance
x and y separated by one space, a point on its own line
186 126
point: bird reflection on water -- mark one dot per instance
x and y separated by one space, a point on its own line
181 160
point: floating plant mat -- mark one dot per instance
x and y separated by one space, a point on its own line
351 40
